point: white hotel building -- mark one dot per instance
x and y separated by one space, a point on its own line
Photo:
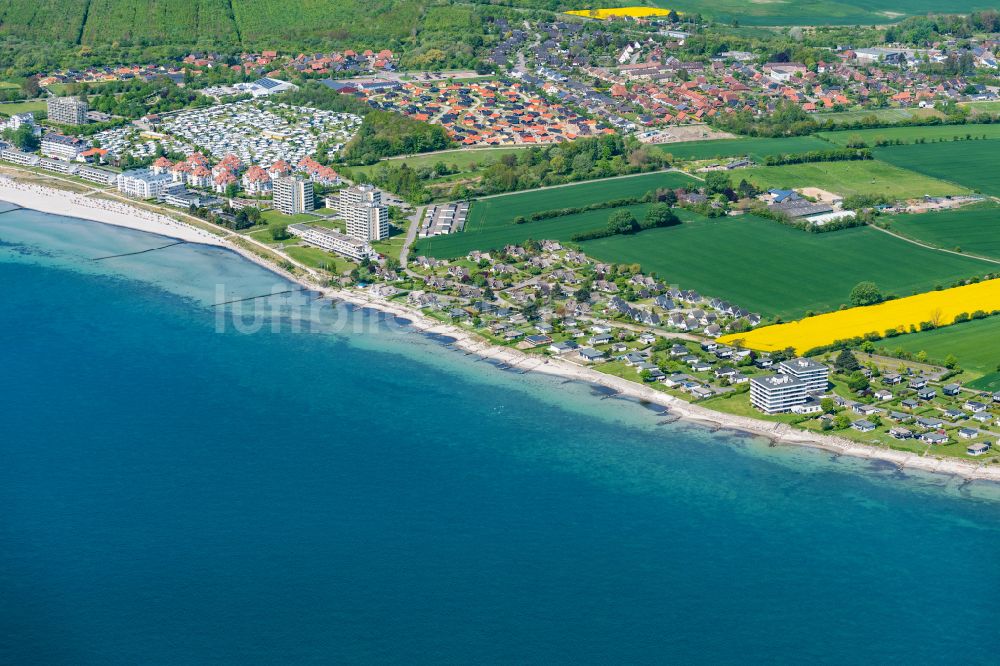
797 380
333 241
143 184
362 208
293 195
816 376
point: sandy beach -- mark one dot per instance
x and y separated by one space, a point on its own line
60 202
119 214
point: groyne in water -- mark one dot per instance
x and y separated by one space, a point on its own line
129 254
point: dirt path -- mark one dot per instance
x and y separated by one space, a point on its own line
934 247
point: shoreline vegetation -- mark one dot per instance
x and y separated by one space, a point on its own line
72 204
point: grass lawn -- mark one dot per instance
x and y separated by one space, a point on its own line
848 178
911 134
468 161
969 163
10 108
738 403
777 270
883 115
390 247
757 148
976 344
274 217
975 229
263 235
317 258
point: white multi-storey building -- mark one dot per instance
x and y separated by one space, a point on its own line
774 394
67 110
143 184
19 120
17 157
815 375
333 241
59 166
362 209
62 147
95 175
293 195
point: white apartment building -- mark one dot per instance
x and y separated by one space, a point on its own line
293 195
333 241
62 147
17 157
67 110
814 375
143 184
95 175
19 120
59 166
774 394
362 209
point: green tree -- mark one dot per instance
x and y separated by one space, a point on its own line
280 233
858 382
23 137
717 182
950 362
659 215
622 222
846 362
866 293
828 405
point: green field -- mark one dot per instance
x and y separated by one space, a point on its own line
883 115
910 134
10 108
972 164
974 344
975 229
850 178
757 148
819 12
221 23
992 106
777 270
990 382
501 210
495 237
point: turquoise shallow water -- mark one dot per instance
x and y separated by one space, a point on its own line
331 488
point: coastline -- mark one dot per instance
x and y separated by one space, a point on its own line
69 204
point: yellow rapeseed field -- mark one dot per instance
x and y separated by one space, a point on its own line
633 12
939 307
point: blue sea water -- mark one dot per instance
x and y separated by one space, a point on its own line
177 486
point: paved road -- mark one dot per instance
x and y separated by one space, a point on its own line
411 235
